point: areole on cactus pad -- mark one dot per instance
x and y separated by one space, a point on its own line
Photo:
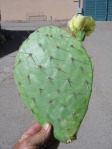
53 74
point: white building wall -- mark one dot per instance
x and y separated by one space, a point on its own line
14 10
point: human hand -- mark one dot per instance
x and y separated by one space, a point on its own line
37 137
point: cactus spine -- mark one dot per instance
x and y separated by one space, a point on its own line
53 74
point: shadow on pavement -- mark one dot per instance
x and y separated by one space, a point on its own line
13 39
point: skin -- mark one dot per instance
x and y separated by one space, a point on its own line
37 137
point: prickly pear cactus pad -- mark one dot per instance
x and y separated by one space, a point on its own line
53 74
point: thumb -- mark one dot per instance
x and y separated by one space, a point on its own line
42 136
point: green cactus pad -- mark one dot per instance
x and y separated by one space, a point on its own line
53 74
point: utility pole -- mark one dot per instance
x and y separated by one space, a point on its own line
79 9
78 2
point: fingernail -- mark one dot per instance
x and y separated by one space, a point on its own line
46 126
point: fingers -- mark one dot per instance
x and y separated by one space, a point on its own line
38 137
42 136
35 128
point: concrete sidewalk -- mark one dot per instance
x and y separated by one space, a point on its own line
96 129
28 25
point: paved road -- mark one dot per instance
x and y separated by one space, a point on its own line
96 130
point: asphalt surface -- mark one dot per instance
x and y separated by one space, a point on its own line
96 129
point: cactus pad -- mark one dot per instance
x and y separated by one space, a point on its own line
53 74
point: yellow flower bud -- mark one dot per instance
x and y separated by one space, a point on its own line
81 23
